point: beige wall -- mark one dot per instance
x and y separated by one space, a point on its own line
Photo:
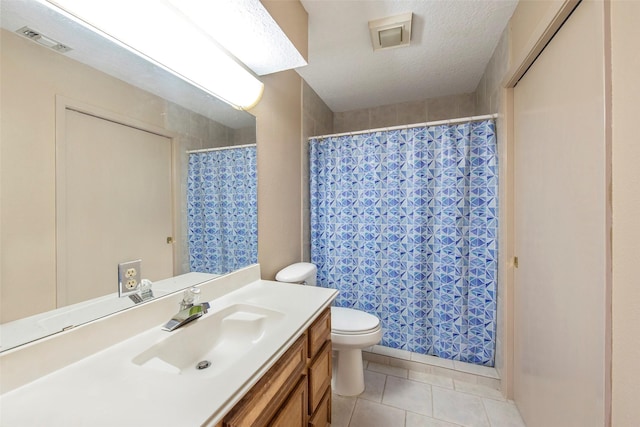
447 107
625 45
279 135
31 79
529 18
317 119
490 99
279 139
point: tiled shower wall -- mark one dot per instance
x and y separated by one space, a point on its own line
489 93
448 107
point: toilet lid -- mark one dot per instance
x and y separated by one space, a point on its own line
350 321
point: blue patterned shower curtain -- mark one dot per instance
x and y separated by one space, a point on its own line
404 224
222 209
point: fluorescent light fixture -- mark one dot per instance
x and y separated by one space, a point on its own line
156 30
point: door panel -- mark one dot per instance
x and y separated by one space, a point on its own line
116 206
560 228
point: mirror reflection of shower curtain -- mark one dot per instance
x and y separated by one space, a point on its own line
404 223
222 209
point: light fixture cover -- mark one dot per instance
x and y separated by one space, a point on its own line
247 30
154 30
394 31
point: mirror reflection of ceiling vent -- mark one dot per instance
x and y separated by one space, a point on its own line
39 38
394 31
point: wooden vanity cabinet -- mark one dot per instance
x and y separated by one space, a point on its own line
320 370
322 416
296 391
271 394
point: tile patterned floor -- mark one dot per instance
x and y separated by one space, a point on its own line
396 397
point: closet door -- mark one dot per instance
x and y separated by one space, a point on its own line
114 205
561 228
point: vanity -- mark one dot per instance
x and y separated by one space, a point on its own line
260 356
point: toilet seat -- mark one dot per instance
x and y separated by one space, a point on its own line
348 321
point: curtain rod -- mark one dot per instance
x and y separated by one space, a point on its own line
434 123
204 150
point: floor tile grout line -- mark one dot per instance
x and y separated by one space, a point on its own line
433 406
500 399
455 389
453 381
482 396
418 413
384 373
486 414
384 388
430 373
433 417
353 411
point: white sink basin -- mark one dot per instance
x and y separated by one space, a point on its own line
217 339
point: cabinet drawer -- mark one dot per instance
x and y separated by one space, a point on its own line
322 417
319 376
319 332
265 398
294 411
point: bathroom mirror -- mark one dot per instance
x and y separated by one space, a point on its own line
46 91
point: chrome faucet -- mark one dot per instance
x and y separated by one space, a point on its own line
189 298
189 310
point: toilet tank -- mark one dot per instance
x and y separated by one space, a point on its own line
298 273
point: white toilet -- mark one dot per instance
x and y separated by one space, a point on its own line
351 331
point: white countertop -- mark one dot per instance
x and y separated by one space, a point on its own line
108 389
21 331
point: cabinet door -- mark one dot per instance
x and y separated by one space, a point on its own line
322 416
319 332
319 376
294 410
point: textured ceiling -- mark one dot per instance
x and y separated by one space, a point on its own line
245 28
451 44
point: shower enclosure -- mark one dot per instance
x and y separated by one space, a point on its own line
404 223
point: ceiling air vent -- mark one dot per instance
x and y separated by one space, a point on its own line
394 31
43 40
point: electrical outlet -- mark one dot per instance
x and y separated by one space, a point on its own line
129 277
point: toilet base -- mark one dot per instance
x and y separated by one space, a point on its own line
348 373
